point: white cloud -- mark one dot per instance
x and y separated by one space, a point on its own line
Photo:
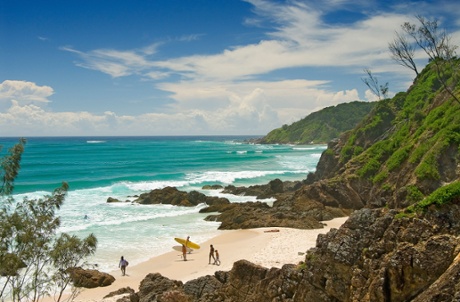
25 92
116 63
250 107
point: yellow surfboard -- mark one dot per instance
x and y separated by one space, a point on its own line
190 244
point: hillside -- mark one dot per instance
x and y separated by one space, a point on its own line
406 148
322 126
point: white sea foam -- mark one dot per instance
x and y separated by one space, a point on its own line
228 177
95 142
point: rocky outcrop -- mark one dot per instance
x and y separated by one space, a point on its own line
272 189
258 214
170 195
304 208
89 278
155 287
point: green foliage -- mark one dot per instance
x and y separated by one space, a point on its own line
329 152
398 157
427 169
441 196
369 169
380 177
321 126
414 194
10 167
33 258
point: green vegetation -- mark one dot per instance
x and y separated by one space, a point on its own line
408 134
321 126
443 195
33 258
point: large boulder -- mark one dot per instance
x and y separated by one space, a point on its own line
154 286
89 278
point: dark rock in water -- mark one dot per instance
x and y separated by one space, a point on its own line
212 187
111 199
171 195
272 189
89 278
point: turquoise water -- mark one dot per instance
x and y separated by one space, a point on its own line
121 167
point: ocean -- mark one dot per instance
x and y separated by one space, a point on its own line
121 167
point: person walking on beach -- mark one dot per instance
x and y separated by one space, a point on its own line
217 261
184 252
123 264
211 254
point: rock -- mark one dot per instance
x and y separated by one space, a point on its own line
212 187
171 195
121 291
301 214
154 286
111 200
89 278
203 286
272 189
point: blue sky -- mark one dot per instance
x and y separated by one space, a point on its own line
202 67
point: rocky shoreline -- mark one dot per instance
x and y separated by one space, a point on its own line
289 210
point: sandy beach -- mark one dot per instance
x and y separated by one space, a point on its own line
268 247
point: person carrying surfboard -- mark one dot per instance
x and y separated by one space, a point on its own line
184 252
187 241
211 254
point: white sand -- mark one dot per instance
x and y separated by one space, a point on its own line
268 247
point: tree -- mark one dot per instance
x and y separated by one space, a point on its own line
436 44
10 167
373 84
33 258
402 51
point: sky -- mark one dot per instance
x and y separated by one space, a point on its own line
201 67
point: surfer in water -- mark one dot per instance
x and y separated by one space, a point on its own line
211 254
